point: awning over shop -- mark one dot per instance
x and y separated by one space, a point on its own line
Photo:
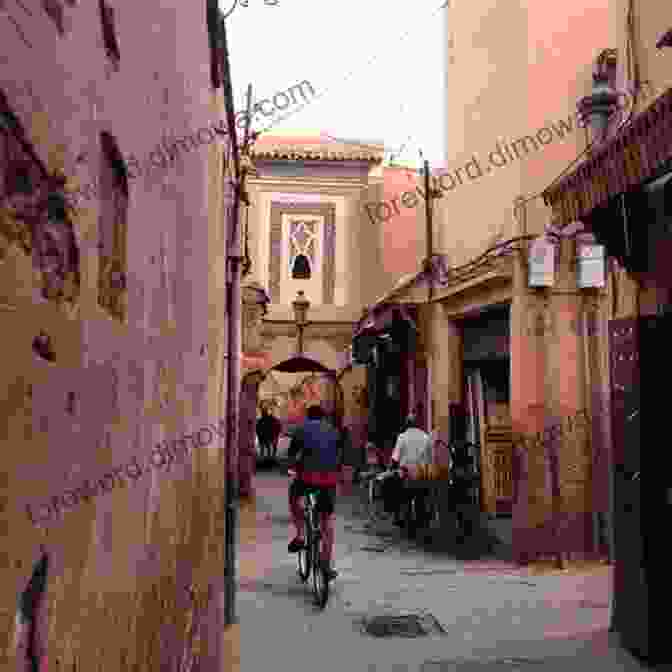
380 318
636 155
396 321
301 364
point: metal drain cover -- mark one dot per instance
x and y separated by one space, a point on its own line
501 665
409 625
355 530
426 572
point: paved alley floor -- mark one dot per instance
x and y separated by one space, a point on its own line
488 614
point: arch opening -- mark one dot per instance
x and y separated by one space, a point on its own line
301 268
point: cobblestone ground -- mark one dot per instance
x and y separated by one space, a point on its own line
489 615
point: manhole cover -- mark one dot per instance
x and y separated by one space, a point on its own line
501 665
408 625
426 572
355 530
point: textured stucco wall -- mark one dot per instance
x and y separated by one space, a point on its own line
403 234
503 86
121 562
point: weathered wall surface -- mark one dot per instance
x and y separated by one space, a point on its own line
355 411
503 89
402 225
511 130
137 348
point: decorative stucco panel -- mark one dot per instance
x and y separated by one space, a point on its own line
325 210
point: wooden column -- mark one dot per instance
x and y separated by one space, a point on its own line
447 371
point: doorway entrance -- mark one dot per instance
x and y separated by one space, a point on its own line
305 381
487 405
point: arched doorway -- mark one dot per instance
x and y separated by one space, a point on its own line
322 388
311 382
315 383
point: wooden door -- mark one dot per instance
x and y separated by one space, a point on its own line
630 617
499 448
477 434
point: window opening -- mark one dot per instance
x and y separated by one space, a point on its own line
301 269
109 33
21 170
40 221
54 11
113 229
43 348
302 248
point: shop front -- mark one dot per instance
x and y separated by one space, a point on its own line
386 344
623 194
503 359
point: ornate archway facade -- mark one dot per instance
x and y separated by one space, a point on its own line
309 232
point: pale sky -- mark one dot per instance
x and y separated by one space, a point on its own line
377 68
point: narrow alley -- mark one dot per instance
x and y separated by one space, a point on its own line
232 256
486 610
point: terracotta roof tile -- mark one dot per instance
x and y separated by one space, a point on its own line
312 149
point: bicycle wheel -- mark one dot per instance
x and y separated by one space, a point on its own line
304 556
320 579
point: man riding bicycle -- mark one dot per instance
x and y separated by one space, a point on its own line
317 449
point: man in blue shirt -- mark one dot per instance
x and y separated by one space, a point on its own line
317 449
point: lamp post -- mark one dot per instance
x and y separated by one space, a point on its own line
300 305
424 171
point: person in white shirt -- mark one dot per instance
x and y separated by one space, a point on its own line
413 447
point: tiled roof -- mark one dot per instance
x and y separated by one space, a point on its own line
621 163
313 149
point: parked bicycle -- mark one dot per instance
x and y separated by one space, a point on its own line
309 555
464 485
372 480
375 480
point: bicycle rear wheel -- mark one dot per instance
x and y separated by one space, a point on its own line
320 579
305 554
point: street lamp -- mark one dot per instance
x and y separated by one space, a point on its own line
665 40
300 305
431 193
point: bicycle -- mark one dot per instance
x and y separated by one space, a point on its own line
309 555
466 477
372 481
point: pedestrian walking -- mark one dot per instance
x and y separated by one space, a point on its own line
266 432
276 430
